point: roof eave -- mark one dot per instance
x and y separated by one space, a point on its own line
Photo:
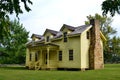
102 36
54 39
74 35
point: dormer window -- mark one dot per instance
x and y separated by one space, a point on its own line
47 39
65 36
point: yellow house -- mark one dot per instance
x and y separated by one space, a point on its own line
70 48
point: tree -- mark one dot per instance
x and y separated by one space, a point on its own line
14 45
9 7
105 24
112 6
115 46
110 46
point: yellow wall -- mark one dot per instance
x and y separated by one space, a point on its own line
48 34
101 42
84 50
74 44
85 44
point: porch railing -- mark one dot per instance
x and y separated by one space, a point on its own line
37 65
52 64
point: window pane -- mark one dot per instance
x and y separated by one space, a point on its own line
30 57
36 56
65 36
47 40
65 39
70 54
60 55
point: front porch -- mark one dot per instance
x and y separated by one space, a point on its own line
43 57
52 65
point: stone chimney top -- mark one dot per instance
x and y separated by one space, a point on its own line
93 22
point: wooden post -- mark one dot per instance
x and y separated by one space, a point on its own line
41 57
48 61
33 56
27 57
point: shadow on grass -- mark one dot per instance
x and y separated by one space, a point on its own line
112 65
13 67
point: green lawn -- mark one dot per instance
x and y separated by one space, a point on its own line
111 72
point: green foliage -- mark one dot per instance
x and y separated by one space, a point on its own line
14 45
112 6
9 7
105 24
111 72
112 45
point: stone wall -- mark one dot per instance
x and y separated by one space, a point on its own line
95 52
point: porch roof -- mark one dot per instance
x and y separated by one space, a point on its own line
43 46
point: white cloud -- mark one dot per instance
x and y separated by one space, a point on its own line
53 14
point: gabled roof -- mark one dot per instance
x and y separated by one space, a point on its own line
75 31
37 36
59 34
68 27
79 29
53 32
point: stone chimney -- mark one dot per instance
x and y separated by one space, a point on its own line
95 52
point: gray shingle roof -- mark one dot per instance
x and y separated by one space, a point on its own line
79 29
58 34
53 32
37 36
68 27
76 30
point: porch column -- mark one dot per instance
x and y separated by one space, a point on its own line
48 61
33 56
27 57
41 57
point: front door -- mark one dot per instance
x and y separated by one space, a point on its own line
45 58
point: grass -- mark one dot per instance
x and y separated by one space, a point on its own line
111 72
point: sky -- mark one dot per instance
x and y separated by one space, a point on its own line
52 14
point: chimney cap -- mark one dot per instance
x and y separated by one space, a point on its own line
94 21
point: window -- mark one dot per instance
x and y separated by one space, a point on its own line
65 36
60 55
46 58
70 55
36 56
47 39
88 35
30 57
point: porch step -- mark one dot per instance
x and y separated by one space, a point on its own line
37 67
